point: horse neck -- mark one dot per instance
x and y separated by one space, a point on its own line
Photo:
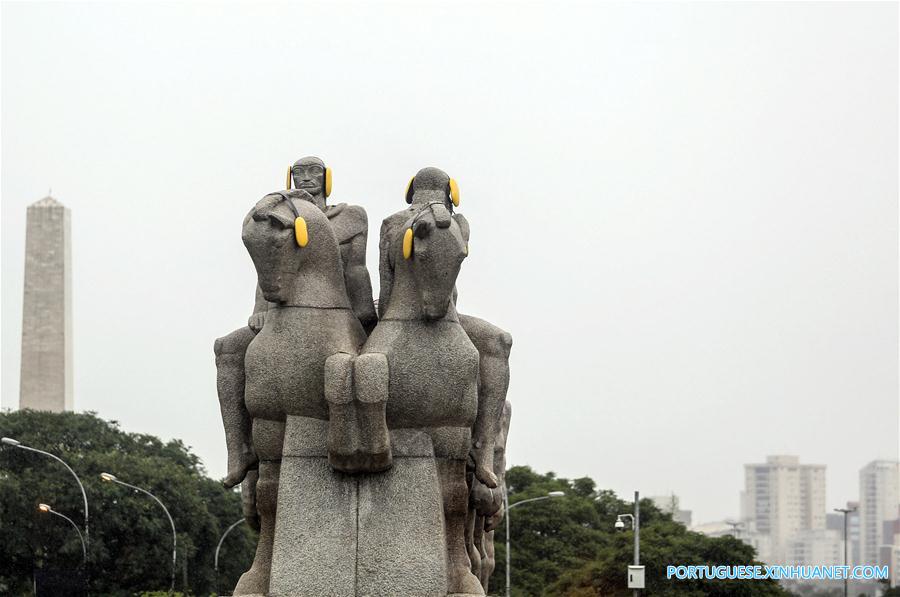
404 301
320 281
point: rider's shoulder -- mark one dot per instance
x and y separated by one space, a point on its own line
348 212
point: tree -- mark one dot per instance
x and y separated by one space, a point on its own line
130 538
568 546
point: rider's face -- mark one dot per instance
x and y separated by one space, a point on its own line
309 177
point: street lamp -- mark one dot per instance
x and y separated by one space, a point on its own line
8 441
508 507
735 527
48 509
112 479
219 546
845 512
636 527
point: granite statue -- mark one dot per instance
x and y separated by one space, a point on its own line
309 319
430 367
350 224
370 448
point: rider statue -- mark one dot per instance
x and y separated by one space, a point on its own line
350 225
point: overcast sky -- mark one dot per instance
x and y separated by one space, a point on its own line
685 214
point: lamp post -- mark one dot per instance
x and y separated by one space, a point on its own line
735 527
507 507
636 527
219 546
8 441
845 512
49 510
113 479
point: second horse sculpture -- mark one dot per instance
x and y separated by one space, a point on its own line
431 365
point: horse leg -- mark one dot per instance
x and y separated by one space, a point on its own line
230 352
343 432
455 494
493 346
487 567
248 499
371 378
268 438
471 522
256 580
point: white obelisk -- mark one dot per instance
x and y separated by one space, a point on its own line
46 377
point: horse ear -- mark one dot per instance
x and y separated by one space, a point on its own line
422 228
279 220
463 226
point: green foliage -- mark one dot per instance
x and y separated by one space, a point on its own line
569 547
130 537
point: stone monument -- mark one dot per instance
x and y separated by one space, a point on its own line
365 445
46 373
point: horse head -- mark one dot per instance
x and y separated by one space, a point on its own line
433 246
294 251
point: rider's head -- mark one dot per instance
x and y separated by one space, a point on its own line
430 185
311 175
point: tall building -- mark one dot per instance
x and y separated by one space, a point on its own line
879 498
46 374
672 505
783 499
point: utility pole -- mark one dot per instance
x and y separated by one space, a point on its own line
637 534
845 512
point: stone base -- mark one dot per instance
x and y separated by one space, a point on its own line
341 535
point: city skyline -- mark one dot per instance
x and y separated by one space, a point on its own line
685 215
785 518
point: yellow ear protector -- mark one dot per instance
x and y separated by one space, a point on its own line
409 190
301 233
452 191
327 182
290 179
407 243
408 235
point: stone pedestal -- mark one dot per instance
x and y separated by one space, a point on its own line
357 535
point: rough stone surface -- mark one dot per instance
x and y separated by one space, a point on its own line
347 535
315 542
309 320
351 228
430 187
230 379
378 456
432 364
401 539
486 507
46 370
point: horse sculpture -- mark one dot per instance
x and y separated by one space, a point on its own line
433 186
421 361
298 264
